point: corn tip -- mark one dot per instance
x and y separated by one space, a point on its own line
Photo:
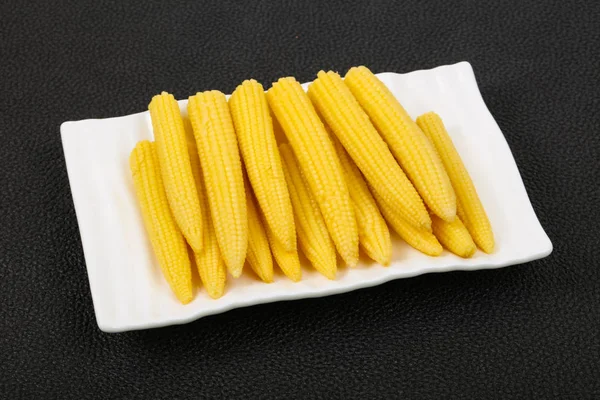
215 292
327 268
383 259
426 225
437 251
330 276
185 298
194 239
236 272
487 247
379 255
265 274
352 263
436 248
470 251
268 277
448 214
293 272
296 277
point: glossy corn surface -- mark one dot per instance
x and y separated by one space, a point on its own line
420 239
313 236
373 232
288 261
209 263
469 207
258 147
223 177
407 142
352 127
454 236
259 253
165 236
171 147
318 162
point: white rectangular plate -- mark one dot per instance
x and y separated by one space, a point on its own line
128 289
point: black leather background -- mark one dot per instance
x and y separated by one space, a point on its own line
529 331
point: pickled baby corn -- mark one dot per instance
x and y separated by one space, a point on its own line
469 207
210 264
288 261
454 236
314 238
318 162
332 169
373 233
420 239
352 127
167 240
254 129
259 253
410 146
222 170
171 147
277 129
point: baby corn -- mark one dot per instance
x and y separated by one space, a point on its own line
210 264
409 145
420 239
318 162
314 238
288 261
373 232
254 129
259 253
166 238
453 236
469 207
352 127
222 170
171 146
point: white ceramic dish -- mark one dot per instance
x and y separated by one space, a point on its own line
128 289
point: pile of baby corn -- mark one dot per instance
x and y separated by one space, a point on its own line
265 175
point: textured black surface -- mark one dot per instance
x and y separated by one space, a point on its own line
530 331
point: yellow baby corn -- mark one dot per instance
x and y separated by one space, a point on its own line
288 261
469 207
210 264
222 170
318 162
171 146
314 238
254 129
166 238
373 232
259 253
409 145
420 239
336 104
453 236
277 129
